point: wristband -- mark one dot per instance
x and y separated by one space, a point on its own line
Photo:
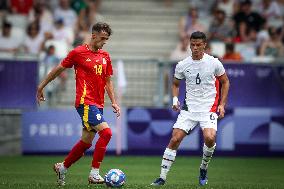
175 101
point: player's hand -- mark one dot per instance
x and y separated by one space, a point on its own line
39 96
221 111
116 109
176 107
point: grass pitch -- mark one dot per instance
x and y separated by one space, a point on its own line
35 172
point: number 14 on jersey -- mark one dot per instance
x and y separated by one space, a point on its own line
99 69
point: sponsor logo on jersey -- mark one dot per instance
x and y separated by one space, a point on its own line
88 60
104 61
99 117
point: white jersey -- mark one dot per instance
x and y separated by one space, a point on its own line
202 86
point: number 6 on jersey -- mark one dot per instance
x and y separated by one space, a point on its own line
197 79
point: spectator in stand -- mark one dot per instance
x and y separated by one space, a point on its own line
34 39
272 47
204 7
20 6
50 61
92 13
189 23
98 3
247 22
261 37
228 6
78 5
81 30
88 17
46 37
3 9
65 12
220 30
62 33
230 54
281 6
42 16
182 50
271 11
8 43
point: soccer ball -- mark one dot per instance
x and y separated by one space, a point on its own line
115 178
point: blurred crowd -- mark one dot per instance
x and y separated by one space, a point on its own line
32 26
237 30
46 30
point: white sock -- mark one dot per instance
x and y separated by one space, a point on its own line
207 155
95 171
168 159
62 168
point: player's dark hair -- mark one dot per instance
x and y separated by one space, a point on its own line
198 35
102 27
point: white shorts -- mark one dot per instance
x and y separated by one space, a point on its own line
188 120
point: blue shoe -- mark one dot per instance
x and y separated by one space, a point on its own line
203 177
158 182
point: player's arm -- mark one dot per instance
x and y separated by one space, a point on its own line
175 91
51 76
110 92
224 94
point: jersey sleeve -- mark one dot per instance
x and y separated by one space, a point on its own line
68 61
219 68
179 72
109 70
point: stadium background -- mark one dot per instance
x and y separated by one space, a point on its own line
250 137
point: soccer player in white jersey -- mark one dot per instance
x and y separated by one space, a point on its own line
202 74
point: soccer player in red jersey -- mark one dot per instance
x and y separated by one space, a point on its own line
93 71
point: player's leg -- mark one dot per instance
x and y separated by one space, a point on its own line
170 152
209 129
75 154
78 149
96 122
169 156
209 146
105 134
181 128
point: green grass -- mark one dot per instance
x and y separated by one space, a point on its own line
35 172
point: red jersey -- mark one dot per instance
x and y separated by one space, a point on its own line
21 6
91 70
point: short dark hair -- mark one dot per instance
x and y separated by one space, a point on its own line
102 27
198 35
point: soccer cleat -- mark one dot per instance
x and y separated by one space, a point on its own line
96 179
158 182
203 177
60 173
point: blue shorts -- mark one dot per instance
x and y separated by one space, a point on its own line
91 116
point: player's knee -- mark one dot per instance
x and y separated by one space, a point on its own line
210 141
85 145
106 133
175 140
